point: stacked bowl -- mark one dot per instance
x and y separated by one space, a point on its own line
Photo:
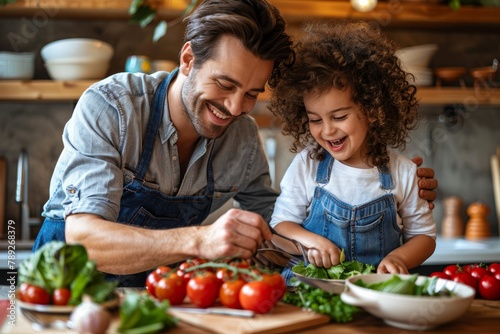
415 60
77 58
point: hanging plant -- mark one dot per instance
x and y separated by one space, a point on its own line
143 12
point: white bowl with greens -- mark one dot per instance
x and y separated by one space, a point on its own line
331 279
409 302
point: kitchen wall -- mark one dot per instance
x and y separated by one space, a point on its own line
460 154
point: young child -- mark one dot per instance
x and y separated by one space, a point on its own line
345 102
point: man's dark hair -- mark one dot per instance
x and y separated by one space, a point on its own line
257 23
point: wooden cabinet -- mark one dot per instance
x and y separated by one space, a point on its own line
49 90
417 13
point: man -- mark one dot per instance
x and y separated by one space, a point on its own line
147 157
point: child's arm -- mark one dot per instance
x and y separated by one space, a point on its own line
321 252
410 255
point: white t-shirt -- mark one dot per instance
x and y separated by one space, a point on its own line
355 186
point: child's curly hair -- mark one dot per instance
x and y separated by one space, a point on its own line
340 55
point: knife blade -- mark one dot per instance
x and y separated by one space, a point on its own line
215 310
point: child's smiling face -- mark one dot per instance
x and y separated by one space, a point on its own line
338 125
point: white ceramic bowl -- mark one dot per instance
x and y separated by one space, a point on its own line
417 56
423 76
409 312
77 48
14 65
77 69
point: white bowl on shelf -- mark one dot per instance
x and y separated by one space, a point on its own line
87 48
417 56
77 68
17 65
423 76
405 311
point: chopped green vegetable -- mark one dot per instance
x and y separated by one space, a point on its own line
320 301
340 271
141 314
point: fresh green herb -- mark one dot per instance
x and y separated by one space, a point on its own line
401 286
141 314
340 271
60 265
320 301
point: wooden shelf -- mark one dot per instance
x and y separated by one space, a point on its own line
49 91
388 13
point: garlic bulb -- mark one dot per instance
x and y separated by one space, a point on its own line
90 318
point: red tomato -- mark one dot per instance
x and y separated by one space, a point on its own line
489 288
188 264
478 273
451 270
240 263
229 293
465 278
203 289
494 268
497 275
467 268
440 275
61 296
277 282
22 291
171 287
154 277
36 295
257 296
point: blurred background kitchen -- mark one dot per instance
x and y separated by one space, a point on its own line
457 138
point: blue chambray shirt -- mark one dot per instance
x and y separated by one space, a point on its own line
102 146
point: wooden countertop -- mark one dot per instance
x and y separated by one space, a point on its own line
482 317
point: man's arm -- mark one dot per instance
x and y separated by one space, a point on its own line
123 249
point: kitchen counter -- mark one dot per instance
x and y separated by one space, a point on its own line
460 250
482 317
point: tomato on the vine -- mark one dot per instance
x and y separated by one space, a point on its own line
489 288
451 270
188 264
171 287
277 283
257 296
478 272
465 278
36 295
203 289
154 277
494 268
229 293
61 296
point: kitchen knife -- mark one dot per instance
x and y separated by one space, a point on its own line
214 310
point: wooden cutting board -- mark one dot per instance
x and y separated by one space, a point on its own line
283 319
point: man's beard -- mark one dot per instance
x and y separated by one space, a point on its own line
195 108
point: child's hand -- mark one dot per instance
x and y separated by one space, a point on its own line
324 254
392 264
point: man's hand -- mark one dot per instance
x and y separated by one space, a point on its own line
237 233
427 184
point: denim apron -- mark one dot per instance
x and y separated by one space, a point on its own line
144 207
367 232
